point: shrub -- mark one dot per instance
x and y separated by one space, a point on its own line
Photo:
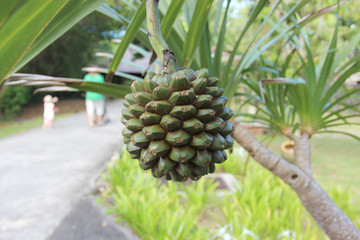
263 207
12 100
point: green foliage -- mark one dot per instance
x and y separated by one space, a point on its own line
12 99
20 40
73 50
314 105
262 207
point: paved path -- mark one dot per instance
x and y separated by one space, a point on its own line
44 174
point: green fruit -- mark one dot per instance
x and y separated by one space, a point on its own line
217 157
146 157
205 115
139 139
182 154
215 125
161 93
132 149
170 123
182 98
202 158
127 114
179 83
126 133
165 164
159 148
149 85
134 125
212 81
202 140
154 132
218 143
200 171
226 113
229 142
156 172
136 110
177 124
202 73
137 86
203 101
199 85
178 138
130 98
149 118
184 169
193 125
183 112
227 130
126 140
159 107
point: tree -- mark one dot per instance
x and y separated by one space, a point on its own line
287 104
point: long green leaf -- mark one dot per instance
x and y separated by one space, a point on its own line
197 24
131 31
205 50
72 13
113 14
329 60
256 11
170 17
108 89
219 7
21 30
340 132
7 8
220 43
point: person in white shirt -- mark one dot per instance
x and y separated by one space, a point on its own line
49 111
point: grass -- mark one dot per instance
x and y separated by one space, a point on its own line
13 127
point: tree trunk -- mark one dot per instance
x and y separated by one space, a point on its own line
299 176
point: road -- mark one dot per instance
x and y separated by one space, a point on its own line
45 177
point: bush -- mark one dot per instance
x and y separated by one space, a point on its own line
12 100
262 207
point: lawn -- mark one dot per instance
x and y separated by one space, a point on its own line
14 127
30 116
10 128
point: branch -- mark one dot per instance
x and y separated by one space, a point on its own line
322 208
288 172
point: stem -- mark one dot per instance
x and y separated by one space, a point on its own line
161 48
303 153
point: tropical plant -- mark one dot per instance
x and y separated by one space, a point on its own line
184 37
186 130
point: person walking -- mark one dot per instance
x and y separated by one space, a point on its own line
95 102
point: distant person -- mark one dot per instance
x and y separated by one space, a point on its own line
95 102
49 111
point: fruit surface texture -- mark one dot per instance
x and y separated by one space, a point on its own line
177 124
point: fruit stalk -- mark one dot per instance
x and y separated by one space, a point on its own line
161 48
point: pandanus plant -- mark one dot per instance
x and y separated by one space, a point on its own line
307 120
176 121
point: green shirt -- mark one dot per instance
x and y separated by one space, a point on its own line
94 78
